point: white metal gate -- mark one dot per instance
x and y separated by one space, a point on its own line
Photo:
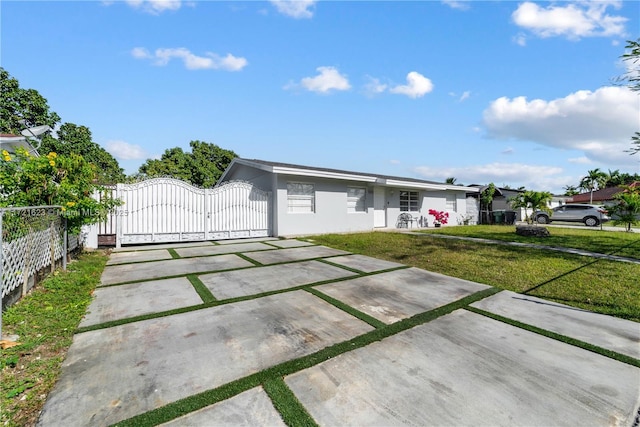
170 210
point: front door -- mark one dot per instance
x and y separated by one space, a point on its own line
379 207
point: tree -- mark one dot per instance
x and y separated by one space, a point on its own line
534 200
626 207
451 180
594 180
22 104
486 198
68 181
27 105
203 166
570 190
74 139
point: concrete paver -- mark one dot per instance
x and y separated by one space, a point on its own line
467 369
245 240
122 273
294 254
136 299
150 255
364 263
222 249
250 408
612 333
161 246
115 373
238 283
460 369
396 295
289 243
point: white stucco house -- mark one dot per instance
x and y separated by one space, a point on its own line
312 200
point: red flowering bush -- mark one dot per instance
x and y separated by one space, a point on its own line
440 217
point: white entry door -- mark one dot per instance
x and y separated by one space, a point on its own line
379 207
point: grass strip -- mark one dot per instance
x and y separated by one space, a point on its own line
251 260
563 338
142 317
44 320
209 397
287 404
173 253
201 289
347 308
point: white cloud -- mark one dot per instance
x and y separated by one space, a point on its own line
457 4
579 160
572 20
533 177
520 39
210 61
508 150
373 86
417 86
466 94
295 8
155 7
599 124
122 150
328 79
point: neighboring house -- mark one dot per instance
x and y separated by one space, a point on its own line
501 200
600 197
11 143
311 200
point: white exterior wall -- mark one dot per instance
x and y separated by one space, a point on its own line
330 214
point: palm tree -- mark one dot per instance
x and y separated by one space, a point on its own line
570 190
594 180
536 200
450 181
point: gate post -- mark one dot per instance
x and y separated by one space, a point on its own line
117 217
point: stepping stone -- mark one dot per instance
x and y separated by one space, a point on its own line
174 267
294 254
116 373
126 257
612 333
250 408
467 369
364 263
136 299
238 283
222 249
396 295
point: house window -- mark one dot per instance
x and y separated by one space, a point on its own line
452 202
409 201
356 198
301 198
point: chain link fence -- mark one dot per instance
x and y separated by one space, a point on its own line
33 242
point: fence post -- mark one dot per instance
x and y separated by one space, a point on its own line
1 272
65 243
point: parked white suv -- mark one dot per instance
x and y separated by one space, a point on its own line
591 215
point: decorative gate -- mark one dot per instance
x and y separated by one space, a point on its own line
170 210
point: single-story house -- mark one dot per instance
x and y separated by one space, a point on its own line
314 200
500 202
602 196
11 143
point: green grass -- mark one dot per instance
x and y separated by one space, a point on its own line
45 321
603 286
604 242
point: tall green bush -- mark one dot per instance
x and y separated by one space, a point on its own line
68 181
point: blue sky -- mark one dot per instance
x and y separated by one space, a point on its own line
515 93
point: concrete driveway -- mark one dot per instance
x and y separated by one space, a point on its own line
223 333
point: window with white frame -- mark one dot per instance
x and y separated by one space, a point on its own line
409 201
301 198
452 202
356 199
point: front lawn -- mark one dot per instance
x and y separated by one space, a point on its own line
609 287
